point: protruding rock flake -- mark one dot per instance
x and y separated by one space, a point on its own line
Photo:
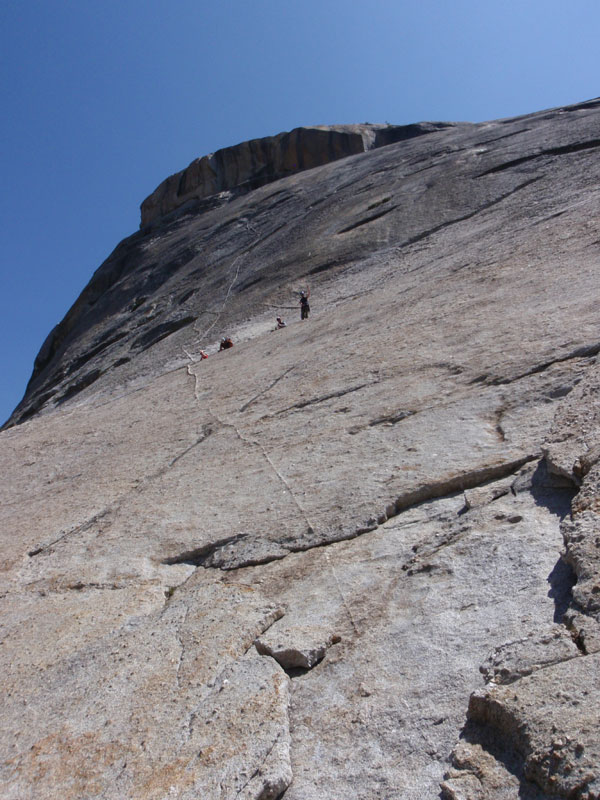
513 660
298 648
356 556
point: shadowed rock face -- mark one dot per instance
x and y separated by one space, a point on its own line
360 552
248 165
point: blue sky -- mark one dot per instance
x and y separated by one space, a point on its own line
102 99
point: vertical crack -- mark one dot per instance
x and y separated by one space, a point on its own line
339 588
195 378
181 644
498 418
271 464
258 769
231 285
235 261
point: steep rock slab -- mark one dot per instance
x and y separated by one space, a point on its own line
347 227
429 373
544 725
121 449
251 164
573 450
550 719
170 704
378 716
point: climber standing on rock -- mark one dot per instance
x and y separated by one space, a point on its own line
304 307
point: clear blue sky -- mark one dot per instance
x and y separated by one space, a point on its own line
102 99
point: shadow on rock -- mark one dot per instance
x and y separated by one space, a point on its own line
561 580
553 492
494 762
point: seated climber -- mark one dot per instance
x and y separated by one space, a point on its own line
280 323
203 355
226 343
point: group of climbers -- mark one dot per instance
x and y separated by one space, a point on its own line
226 341
304 310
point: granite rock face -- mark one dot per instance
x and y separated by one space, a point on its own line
246 166
355 557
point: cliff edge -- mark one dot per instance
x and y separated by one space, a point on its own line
251 164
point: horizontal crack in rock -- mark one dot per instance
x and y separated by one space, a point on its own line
323 398
78 529
268 388
458 483
388 419
156 334
585 351
391 418
199 555
79 586
436 490
504 136
366 220
485 207
553 151
116 505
